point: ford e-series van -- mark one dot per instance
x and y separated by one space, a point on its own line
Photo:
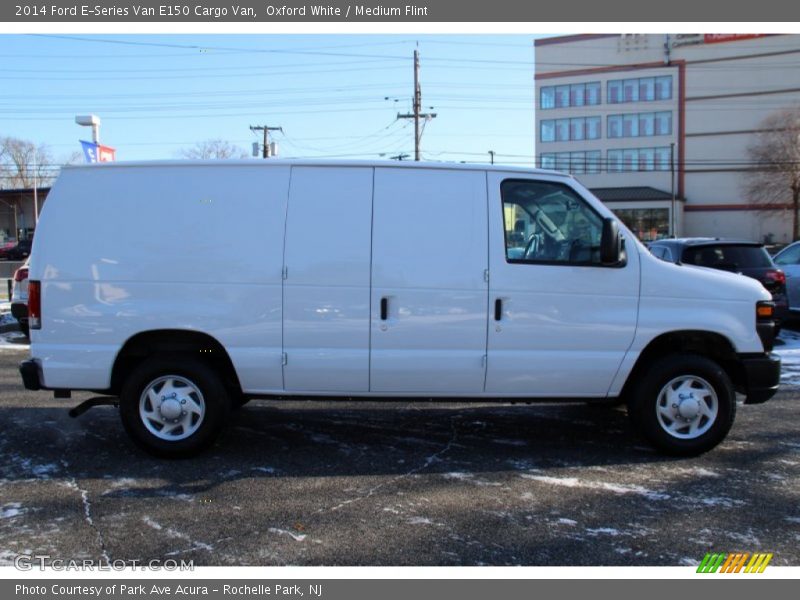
187 288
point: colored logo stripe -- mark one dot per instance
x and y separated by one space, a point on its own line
758 563
711 563
734 562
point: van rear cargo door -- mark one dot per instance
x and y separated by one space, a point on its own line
429 293
326 288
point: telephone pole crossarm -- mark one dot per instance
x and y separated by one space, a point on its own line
266 129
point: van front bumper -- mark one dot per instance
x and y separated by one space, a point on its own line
762 375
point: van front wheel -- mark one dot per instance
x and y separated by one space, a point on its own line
684 405
173 407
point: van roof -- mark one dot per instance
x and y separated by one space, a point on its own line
252 162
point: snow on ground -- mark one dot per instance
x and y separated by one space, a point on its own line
788 348
13 340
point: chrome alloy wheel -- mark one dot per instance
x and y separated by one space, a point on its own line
172 408
687 407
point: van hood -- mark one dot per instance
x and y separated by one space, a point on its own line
664 279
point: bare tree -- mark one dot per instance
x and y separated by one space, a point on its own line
213 149
23 163
774 180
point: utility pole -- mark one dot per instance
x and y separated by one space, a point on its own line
35 192
674 219
417 115
266 129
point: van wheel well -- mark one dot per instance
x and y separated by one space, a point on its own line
174 341
704 343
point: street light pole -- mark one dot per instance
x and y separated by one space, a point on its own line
92 121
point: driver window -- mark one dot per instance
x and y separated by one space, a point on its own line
547 222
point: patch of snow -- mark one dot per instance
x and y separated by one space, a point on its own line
14 340
458 475
720 501
788 348
264 469
616 488
44 471
701 472
9 511
195 545
519 443
151 523
297 537
569 522
603 531
792 519
419 521
7 318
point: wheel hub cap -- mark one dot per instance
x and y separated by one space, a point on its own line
170 408
689 407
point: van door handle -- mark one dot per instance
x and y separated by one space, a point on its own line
498 309
384 308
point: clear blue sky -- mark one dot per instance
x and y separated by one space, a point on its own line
157 94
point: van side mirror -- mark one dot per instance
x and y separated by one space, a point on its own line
611 248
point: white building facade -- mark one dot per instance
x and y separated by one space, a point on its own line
658 125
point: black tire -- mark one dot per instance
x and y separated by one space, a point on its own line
238 401
643 402
214 398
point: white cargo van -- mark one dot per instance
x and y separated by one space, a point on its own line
187 288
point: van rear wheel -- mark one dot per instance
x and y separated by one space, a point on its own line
174 406
684 405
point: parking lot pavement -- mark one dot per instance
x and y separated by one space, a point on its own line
310 483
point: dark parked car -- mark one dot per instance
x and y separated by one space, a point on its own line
788 260
736 256
19 251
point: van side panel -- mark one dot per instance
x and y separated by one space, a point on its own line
429 256
126 249
326 290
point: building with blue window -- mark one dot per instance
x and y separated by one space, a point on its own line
659 124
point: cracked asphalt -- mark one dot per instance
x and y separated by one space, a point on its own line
372 483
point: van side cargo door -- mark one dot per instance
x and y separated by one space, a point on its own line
326 287
429 293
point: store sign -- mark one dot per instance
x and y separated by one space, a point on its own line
716 38
96 153
694 39
687 39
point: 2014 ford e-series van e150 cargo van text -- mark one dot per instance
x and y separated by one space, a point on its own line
186 288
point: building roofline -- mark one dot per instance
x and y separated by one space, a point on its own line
16 191
609 69
565 39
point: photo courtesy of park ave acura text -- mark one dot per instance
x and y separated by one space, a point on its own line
398 300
